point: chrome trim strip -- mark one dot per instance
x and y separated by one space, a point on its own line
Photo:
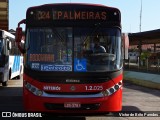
72 96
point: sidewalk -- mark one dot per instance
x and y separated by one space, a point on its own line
143 79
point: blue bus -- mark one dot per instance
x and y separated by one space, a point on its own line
11 61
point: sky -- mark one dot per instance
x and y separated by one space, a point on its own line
130 12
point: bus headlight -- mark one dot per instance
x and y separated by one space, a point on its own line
112 89
105 93
116 87
28 86
33 89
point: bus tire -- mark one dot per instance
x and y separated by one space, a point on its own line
19 76
9 76
4 83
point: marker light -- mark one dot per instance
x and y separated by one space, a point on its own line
120 83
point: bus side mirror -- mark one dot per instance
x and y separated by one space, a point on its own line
18 34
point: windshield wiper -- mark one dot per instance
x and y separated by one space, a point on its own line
97 25
58 35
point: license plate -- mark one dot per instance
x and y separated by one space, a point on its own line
72 105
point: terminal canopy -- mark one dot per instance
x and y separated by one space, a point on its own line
147 37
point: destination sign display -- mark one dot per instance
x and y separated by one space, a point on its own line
79 15
71 15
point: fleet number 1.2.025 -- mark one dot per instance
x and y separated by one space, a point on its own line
94 87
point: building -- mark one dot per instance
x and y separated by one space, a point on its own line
4 14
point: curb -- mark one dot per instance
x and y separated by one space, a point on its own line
144 83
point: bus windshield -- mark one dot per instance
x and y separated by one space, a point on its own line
74 49
2 56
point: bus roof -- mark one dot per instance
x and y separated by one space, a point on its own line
73 4
4 34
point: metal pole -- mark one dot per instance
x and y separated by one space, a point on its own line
140 17
158 64
147 64
138 63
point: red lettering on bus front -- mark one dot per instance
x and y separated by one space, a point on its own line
97 16
71 15
91 15
65 16
77 15
83 15
59 14
103 14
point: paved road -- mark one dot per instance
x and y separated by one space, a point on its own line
135 98
11 96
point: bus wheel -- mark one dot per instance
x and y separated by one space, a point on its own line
19 76
9 77
4 83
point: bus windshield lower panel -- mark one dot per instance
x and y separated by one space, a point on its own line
73 49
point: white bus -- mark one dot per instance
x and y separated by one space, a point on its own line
11 61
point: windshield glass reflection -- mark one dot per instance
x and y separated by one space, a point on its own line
99 50
95 49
